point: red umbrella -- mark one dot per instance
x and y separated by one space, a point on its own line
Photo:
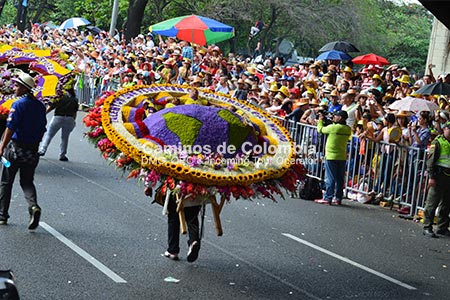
370 59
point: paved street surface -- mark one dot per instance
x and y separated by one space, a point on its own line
100 238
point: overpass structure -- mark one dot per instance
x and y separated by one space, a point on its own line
439 48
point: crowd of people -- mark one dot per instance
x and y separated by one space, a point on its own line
308 93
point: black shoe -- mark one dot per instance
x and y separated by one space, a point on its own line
41 153
444 232
429 232
34 219
193 251
63 158
3 222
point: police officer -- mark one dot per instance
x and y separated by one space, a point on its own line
438 166
24 130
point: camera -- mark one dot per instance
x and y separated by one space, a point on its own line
327 117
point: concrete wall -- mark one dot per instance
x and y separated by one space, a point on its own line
439 49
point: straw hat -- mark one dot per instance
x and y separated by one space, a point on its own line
404 70
334 93
264 94
314 102
196 79
273 87
284 90
302 101
251 70
378 77
348 70
324 77
26 80
403 79
255 88
404 113
312 82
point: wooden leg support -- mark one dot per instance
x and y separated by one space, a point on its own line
216 209
180 210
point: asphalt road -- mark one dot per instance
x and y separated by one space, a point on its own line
100 238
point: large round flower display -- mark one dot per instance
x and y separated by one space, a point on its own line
218 145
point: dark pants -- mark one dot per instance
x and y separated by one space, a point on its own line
191 215
438 196
26 169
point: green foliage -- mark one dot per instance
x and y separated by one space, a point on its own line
398 32
9 14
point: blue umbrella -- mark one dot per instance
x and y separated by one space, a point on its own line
334 55
74 23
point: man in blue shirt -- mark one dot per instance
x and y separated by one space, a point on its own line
24 130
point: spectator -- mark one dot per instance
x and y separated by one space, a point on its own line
387 155
335 156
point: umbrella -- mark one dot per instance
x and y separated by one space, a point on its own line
438 88
50 24
370 59
334 55
340 46
74 23
94 29
195 29
414 104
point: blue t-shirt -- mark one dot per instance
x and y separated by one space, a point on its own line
27 119
335 108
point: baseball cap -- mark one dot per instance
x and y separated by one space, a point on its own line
446 125
342 113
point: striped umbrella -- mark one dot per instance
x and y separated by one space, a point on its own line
74 23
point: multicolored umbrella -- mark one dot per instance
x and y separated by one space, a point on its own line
370 59
74 23
194 29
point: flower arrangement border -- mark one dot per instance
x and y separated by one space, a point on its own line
120 137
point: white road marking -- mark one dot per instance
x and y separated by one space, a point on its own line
89 258
263 271
351 262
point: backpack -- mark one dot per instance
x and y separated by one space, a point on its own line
311 190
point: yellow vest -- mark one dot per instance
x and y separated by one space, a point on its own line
444 156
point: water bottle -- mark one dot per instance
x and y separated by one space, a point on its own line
6 162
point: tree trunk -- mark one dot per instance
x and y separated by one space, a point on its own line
39 11
2 4
135 14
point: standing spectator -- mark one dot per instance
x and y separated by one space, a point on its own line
350 106
25 128
388 155
335 155
64 119
334 102
438 166
187 51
